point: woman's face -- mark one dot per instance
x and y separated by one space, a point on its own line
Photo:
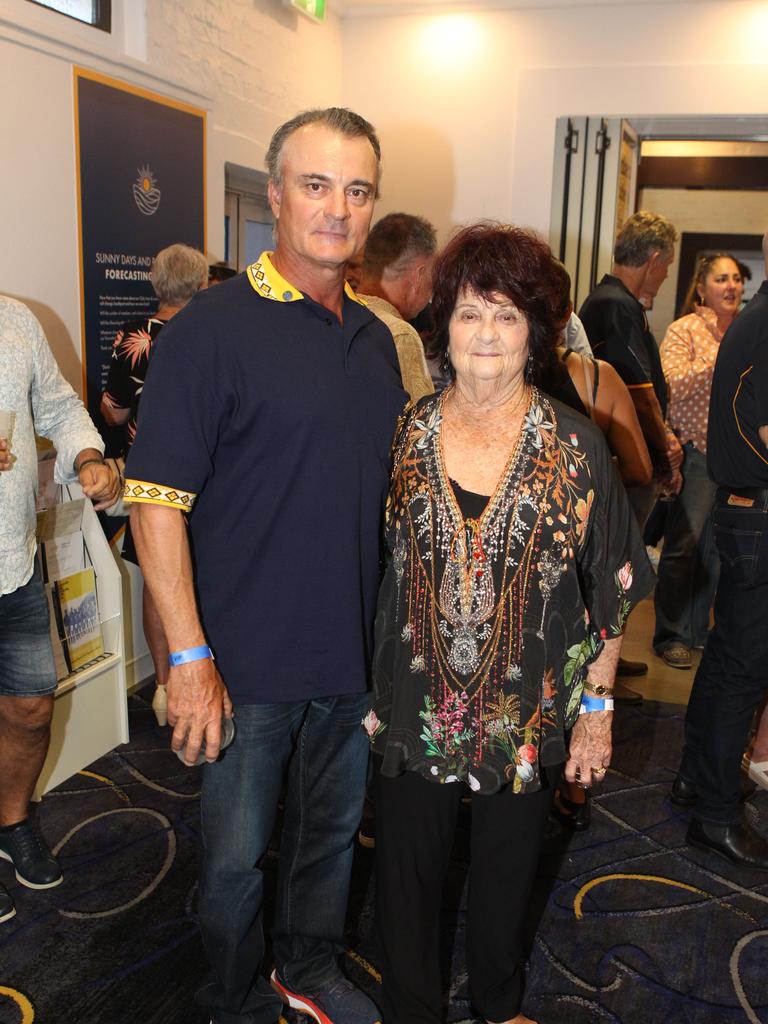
723 288
487 340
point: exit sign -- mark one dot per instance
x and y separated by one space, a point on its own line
314 9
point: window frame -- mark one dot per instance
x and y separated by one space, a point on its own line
102 14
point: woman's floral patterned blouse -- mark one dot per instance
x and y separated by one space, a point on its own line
485 626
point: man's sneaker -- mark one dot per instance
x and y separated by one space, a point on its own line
36 867
7 909
339 1002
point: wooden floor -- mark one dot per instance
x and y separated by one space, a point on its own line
662 682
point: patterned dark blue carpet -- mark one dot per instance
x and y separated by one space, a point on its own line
628 925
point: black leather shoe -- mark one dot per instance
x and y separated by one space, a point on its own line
623 695
7 909
631 668
738 843
36 867
683 792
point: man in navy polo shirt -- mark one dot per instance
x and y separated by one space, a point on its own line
266 421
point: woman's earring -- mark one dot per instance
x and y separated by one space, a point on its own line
529 369
445 364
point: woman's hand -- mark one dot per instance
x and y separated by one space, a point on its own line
590 748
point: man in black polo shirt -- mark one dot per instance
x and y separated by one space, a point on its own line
733 674
617 327
268 411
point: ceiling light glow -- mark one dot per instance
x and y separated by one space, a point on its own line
451 40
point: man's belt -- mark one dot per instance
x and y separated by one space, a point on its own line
742 497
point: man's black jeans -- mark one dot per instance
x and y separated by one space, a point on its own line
733 675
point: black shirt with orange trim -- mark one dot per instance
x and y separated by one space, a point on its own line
738 406
271 422
618 332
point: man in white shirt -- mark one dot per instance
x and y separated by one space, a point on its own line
39 400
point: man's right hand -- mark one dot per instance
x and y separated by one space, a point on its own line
6 459
197 700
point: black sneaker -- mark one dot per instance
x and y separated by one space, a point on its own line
7 909
36 867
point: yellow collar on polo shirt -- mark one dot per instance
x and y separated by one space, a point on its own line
270 284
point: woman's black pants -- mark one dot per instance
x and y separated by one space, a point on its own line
415 826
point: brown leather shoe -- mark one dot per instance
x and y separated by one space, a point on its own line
631 668
676 656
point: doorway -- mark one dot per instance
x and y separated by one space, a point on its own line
709 176
248 221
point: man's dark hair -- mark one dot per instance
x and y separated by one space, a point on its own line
395 240
340 119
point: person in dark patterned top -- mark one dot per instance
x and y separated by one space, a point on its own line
514 561
178 273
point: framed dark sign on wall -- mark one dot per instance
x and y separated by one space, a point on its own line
141 187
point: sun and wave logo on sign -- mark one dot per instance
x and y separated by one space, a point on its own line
145 191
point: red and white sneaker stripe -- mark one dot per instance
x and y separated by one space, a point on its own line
300 1003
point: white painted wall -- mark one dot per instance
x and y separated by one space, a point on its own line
466 103
249 63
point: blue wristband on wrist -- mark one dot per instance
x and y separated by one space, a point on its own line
595 704
191 654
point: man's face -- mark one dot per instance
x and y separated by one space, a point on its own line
658 268
324 203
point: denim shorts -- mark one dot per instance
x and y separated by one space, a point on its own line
27 668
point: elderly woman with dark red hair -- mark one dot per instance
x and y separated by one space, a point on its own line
514 561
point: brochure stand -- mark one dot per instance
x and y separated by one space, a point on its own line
90 715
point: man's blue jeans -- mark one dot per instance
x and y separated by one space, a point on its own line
324 750
689 564
733 674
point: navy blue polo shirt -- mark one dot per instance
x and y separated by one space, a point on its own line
272 422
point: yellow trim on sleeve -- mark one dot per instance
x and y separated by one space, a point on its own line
647 384
158 494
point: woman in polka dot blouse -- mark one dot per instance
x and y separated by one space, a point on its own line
688 568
